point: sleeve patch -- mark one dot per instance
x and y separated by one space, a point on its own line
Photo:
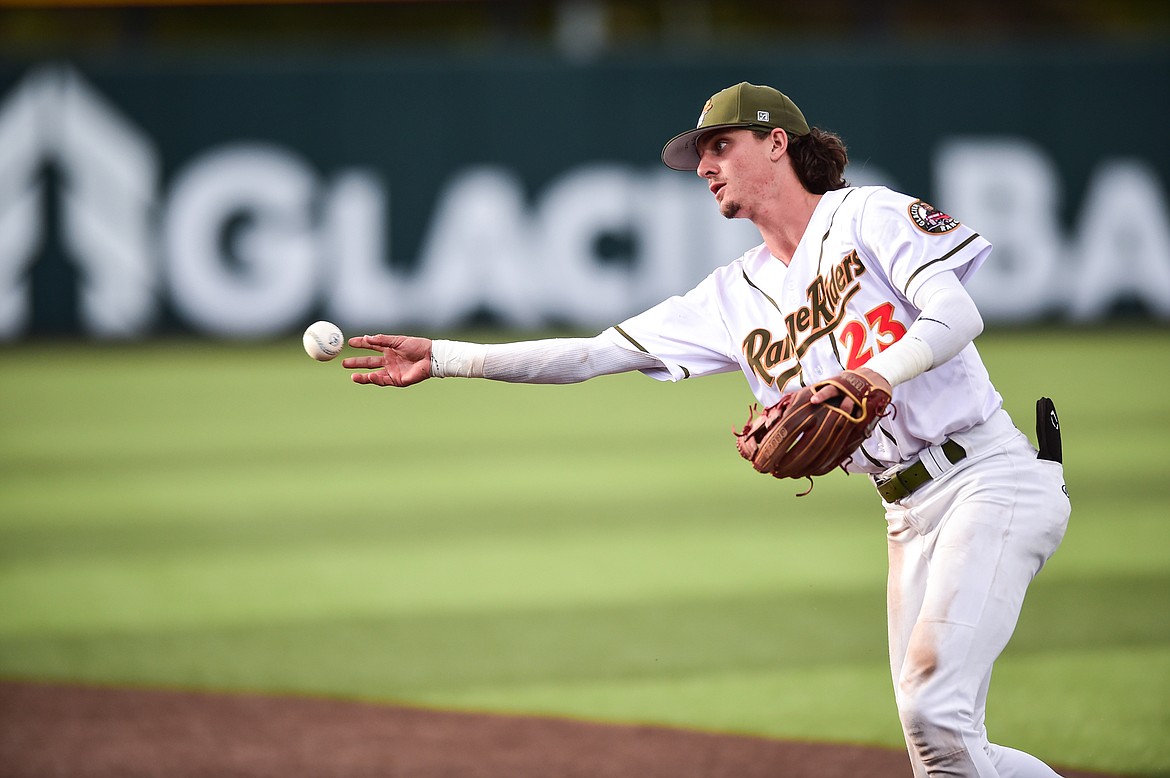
931 220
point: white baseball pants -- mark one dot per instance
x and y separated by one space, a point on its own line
962 551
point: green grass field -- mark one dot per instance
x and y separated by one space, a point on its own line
232 517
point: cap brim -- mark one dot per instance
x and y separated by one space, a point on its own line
680 152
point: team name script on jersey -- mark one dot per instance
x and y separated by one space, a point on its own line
827 297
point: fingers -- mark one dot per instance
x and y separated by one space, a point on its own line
363 363
376 341
377 378
829 392
378 375
826 392
401 361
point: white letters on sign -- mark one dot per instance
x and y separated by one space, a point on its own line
251 240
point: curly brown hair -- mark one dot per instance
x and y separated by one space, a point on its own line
818 158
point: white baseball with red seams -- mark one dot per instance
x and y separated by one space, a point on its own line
323 340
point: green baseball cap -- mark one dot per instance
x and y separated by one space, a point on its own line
742 105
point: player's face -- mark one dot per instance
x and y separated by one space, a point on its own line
736 167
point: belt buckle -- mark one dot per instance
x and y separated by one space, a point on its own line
892 488
916 475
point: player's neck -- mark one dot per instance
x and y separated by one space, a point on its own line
783 226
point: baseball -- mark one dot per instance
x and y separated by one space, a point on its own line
323 341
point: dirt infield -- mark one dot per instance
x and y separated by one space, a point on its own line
84 732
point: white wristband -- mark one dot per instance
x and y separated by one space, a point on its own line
903 360
453 359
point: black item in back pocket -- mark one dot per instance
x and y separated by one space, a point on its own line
1047 431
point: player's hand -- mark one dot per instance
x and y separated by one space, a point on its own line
401 361
828 392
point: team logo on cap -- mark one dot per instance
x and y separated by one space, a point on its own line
930 219
703 115
763 116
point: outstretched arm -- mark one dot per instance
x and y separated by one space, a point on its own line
404 361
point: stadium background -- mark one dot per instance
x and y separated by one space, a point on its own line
237 171
183 187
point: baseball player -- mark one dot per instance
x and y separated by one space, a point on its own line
847 279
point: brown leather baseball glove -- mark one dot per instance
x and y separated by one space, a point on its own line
796 439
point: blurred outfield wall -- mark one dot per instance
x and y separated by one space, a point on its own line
243 199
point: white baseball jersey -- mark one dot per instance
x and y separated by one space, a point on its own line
844 297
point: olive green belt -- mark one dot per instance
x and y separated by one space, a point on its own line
905 482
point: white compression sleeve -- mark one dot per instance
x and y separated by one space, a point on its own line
947 322
550 361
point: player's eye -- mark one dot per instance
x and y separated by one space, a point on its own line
714 146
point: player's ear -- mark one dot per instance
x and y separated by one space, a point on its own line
779 140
